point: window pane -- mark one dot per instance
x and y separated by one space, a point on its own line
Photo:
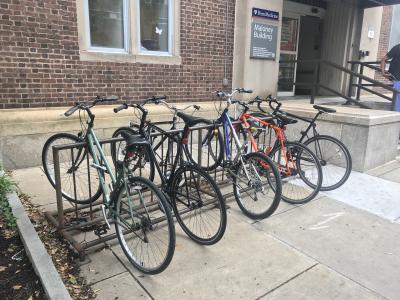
286 73
106 23
154 25
289 34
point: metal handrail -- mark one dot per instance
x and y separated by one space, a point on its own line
316 85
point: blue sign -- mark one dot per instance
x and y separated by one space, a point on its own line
263 13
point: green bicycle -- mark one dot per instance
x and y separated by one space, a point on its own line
142 216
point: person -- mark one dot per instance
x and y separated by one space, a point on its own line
393 57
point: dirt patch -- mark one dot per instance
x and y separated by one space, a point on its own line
62 256
17 277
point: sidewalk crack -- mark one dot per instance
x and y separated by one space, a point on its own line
95 282
133 275
287 281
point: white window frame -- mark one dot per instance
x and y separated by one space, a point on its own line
170 32
125 9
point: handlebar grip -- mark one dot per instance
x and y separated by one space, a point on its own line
196 107
242 90
109 98
155 98
71 110
121 107
163 97
220 94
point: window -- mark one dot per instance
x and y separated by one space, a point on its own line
107 25
154 25
139 28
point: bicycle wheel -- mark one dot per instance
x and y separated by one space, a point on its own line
335 160
207 153
74 168
198 205
144 225
137 160
257 185
300 171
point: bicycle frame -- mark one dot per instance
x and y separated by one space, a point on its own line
226 125
166 182
100 162
280 138
304 133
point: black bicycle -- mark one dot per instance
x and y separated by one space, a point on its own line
164 154
194 196
333 155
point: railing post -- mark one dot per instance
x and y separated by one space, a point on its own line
57 178
360 82
394 99
199 144
315 87
350 90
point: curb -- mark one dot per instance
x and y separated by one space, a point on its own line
40 259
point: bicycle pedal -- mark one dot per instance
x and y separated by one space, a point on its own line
101 229
228 164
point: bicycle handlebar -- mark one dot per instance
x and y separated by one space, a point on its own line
121 107
72 110
245 91
83 105
155 100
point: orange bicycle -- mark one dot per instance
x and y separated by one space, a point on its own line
299 167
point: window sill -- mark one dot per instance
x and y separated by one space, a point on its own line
130 58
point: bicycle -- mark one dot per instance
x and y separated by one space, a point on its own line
335 158
135 205
138 163
256 182
298 166
194 196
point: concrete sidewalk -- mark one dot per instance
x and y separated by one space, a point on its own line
326 249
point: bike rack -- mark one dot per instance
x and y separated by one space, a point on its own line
84 218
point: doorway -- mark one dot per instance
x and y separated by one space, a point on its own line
289 47
301 39
310 40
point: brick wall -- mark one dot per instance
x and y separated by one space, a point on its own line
40 65
384 42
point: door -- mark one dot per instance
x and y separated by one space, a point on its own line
289 48
309 49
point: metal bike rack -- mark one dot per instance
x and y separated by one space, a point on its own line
83 217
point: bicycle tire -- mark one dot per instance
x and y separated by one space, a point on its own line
210 198
69 192
160 209
291 181
216 153
327 184
263 164
137 162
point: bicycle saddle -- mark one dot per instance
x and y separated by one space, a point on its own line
189 119
325 109
285 120
133 140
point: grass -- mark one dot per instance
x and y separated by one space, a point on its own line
6 186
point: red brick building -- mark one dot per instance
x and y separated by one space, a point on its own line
384 38
54 52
